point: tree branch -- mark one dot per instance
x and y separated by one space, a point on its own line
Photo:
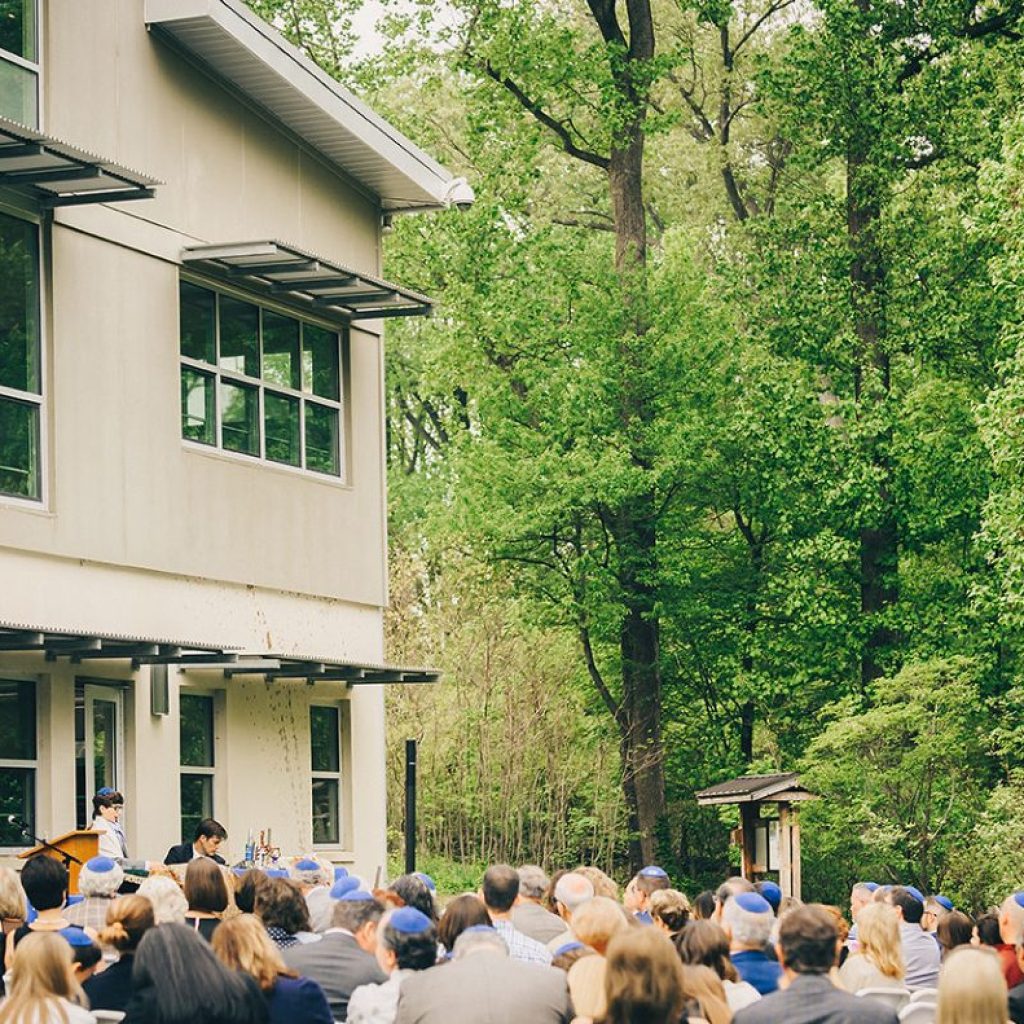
596 678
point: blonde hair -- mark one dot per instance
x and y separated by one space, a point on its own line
704 985
12 896
603 885
41 977
586 986
670 907
644 978
128 919
878 933
242 944
972 989
596 921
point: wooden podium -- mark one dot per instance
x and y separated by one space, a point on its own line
80 845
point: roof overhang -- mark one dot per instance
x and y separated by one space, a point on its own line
56 174
750 789
315 284
239 47
272 667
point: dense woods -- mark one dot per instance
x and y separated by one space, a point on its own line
712 459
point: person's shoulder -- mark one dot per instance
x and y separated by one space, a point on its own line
177 854
767 1008
77 1014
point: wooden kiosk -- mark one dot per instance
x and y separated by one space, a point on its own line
72 849
769 843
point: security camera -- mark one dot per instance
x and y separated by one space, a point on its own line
459 194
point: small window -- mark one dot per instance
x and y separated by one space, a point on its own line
325 746
17 758
19 61
259 383
198 763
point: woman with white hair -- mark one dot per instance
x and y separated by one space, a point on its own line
98 882
169 903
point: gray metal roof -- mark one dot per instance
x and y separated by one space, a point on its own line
57 174
239 47
752 788
317 284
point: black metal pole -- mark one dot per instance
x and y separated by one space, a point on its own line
410 806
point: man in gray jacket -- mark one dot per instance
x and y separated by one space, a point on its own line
483 986
341 961
807 952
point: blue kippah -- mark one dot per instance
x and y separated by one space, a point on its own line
100 865
427 881
480 928
772 893
567 948
342 886
75 936
752 903
276 873
1018 898
870 886
944 901
653 871
357 896
307 865
340 873
409 921
915 892
105 791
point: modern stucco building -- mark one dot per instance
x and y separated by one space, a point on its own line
192 490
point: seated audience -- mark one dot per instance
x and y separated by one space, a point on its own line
284 913
45 883
43 989
921 954
343 959
807 952
935 909
500 892
878 962
571 891
461 913
972 989
98 882
242 944
85 953
747 919
730 887
207 895
529 915
164 893
954 929
483 982
406 942
411 891
314 881
704 944
669 910
128 919
644 980
206 842
176 979
595 924
637 896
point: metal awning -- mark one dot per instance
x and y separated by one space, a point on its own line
238 47
314 670
319 285
81 646
56 174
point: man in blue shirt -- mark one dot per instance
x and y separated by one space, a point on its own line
747 919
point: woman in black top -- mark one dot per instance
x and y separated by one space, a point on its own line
207 895
128 919
177 980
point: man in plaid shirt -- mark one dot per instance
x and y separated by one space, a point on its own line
500 892
98 882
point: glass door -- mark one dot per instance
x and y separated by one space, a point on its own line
99 744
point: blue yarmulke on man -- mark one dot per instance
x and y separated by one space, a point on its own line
307 865
357 896
340 873
653 871
100 865
567 948
915 892
944 901
427 881
752 903
342 886
409 921
772 893
870 886
75 936
276 873
1018 898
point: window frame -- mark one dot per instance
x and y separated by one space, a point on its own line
220 375
38 399
202 771
36 66
339 777
29 765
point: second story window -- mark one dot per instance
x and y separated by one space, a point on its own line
19 61
258 382
20 392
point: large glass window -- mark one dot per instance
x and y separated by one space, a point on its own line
20 398
19 61
17 759
325 747
198 765
259 382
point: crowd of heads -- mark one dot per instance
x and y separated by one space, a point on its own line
204 942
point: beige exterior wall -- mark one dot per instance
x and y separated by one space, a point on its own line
142 534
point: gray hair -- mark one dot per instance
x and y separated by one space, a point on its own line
533 883
308 876
100 883
478 940
745 927
864 890
732 887
572 890
169 903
